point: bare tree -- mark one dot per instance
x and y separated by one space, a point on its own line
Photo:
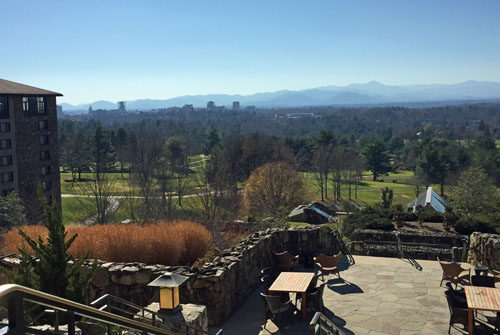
217 202
99 208
176 157
147 150
102 204
166 183
322 158
12 211
337 167
354 167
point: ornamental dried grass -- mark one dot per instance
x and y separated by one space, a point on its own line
168 243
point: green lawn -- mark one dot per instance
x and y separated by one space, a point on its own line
71 211
121 185
369 190
368 193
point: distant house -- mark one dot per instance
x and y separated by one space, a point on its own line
314 213
430 201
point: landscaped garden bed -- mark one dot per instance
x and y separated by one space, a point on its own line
167 243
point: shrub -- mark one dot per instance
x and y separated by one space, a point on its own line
433 217
409 216
466 225
369 218
379 223
175 243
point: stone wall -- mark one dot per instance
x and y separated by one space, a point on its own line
485 250
223 284
446 246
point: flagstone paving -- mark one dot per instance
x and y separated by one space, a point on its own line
375 296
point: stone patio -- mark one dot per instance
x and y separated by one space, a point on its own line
375 296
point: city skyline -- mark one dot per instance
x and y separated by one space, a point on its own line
126 50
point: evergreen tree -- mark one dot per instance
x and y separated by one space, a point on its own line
103 153
386 197
54 269
474 193
377 158
438 160
211 141
486 156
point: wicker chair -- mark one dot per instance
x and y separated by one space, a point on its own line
266 281
313 286
328 264
454 273
484 281
497 276
275 308
494 321
266 272
286 261
315 299
457 314
459 298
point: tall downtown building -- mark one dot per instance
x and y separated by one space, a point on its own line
29 155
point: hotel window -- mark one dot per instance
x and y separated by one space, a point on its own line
5 143
4 108
4 127
5 160
44 139
40 103
45 170
46 185
6 177
43 124
26 105
44 155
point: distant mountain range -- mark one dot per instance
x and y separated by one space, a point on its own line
371 93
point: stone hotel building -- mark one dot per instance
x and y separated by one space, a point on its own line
29 155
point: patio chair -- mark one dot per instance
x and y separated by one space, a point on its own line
328 264
311 288
494 321
286 261
484 281
497 275
275 308
315 299
266 272
460 300
454 273
313 285
457 314
266 281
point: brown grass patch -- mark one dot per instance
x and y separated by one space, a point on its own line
179 242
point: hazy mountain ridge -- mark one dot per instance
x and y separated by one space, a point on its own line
354 94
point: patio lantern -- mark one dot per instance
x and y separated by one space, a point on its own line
169 283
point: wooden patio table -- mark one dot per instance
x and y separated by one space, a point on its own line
294 282
481 299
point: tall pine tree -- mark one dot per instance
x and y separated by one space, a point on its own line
53 269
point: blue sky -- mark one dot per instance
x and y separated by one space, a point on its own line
124 50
